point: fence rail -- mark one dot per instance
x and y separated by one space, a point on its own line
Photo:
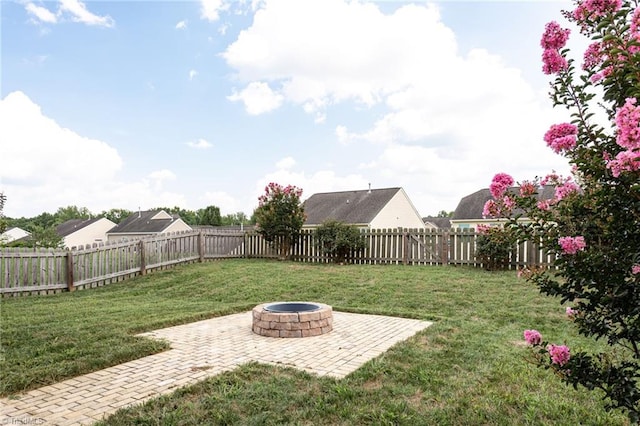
44 271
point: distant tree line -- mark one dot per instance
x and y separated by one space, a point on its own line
43 227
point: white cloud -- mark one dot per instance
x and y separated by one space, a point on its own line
258 98
210 9
445 120
199 144
318 181
192 74
286 163
52 166
162 175
79 13
42 14
181 25
227 203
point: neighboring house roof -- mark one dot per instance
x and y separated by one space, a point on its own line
438 222
73 225
14 234
471 206
352 207
145 222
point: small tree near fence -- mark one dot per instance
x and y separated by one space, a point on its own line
592 225
280 216
337 240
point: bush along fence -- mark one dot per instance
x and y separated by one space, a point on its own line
44 271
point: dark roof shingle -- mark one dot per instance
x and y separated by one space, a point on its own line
73 225
352 207
142 223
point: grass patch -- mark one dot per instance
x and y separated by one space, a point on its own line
468 368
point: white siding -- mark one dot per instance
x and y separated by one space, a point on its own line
398 213
95 232
178 225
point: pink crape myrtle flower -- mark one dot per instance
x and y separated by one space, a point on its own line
635 269
625 161
544 205
572 245
635 21
592 56
499 184
571 313
561 137
595 8
554 37
528 189
628 122
565 189
560 354
490 209
553 62
533 337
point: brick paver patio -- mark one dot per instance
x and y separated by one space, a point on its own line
200 350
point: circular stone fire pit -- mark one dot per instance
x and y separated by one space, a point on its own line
292 319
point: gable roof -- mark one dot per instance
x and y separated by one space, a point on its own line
73 225
352 207
471 206
145 222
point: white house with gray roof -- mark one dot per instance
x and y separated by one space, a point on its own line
468 214
146 223
80 232
374 209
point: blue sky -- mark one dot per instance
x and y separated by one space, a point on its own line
122 104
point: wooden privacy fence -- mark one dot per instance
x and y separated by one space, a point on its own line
42 271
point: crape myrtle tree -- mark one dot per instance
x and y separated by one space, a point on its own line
280 216
592 225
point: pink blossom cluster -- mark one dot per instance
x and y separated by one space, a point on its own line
591 9
554 36
274 189
498 208
553 62
483 229
528 188
635 269
499 184
566 188
533 337
553 39
628 137
571 313
560 354
572 245
635 22
628 122
561 137
592 56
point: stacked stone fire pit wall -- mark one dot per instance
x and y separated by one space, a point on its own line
292 324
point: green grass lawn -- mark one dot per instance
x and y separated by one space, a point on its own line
469 368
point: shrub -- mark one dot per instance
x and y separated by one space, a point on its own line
494 246
338 240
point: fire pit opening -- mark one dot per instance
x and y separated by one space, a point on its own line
292 319
292 307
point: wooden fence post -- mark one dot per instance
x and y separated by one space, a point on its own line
200 247
405 248
143 266
70 286
444 248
